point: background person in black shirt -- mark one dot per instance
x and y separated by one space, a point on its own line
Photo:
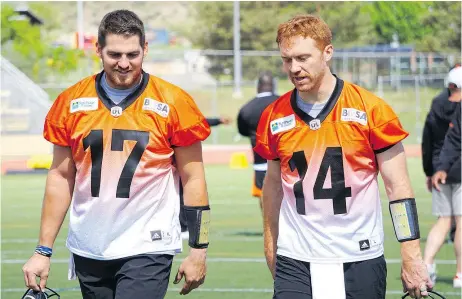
445 171
247 123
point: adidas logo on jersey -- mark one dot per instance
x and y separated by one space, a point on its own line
282 124
84 104
351 114
156 235
364 245
160 108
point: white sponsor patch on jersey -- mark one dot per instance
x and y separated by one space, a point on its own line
351 114
84 104
160 108
282 124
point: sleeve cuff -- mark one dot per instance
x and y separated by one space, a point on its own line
198 132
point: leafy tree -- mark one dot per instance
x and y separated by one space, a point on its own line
431 26
444 20
401 18
259 23
30 48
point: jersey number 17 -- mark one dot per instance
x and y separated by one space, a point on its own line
94 141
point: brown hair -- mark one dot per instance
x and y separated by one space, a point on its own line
307 26
120 22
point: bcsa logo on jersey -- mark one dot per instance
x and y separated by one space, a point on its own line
282 124
351 114
160 108
84 104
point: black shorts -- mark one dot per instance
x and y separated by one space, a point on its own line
259 177
363 280
140 276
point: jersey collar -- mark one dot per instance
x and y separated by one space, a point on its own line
264 94
327 108
125 102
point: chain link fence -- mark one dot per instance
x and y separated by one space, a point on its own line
408 81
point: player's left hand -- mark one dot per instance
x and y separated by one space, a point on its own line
415 279
193 268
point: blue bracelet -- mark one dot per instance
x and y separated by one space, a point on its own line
43 250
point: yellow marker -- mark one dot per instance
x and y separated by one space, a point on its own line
238 161
40 162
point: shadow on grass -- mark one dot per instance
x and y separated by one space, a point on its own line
248 234
444 280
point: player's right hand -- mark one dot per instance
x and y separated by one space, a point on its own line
194 269
415 278
37 266
439 176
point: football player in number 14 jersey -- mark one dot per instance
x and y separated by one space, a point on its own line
325 142
122 140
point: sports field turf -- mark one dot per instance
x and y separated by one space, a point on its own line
236 266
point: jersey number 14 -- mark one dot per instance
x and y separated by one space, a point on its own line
333 158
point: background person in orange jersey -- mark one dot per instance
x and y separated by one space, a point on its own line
325 142
122 140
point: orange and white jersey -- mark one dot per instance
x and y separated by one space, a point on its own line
126 193
331 208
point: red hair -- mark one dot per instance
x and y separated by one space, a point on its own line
305 26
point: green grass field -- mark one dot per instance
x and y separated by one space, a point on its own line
236 263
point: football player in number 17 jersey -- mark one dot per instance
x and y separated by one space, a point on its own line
122 140
325 142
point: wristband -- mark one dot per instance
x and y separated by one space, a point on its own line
198 225
43 250
405 220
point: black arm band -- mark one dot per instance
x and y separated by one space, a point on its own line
198 219
405 220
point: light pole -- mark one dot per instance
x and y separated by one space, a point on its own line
237 51
80 24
